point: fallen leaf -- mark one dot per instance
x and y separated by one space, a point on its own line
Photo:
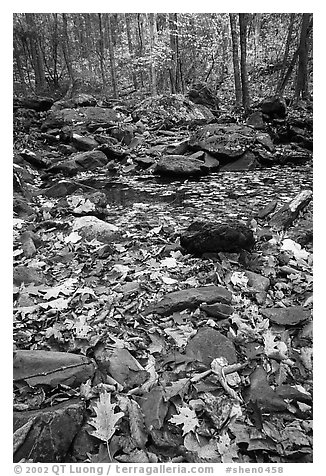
187 418
105 420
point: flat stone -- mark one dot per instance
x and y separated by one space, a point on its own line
190 299
286 316
42 367
217 310
52 433
257 282
209 344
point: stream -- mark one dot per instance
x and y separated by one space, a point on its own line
221 195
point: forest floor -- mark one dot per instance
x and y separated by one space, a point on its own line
92 299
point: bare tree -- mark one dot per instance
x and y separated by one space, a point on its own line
235 57
243 22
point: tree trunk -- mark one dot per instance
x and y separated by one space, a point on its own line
112 59
176 77
235 57
140 29
36 54
152 33
20 70
301 89
130 47
67 56
101 52
243 20
283 73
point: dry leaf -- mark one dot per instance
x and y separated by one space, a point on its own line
105 419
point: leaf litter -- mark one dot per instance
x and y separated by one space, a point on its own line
165 406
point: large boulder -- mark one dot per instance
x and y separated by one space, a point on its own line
83 115
171 110
274 107
200 93
226 142
80 100
80 162
206 237
179 165
38 104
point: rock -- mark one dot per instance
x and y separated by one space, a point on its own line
265 157
84 143
257 282
209 163
265 140
247 162
80 162
60 189
22 208
35 160
200 93
177 149
217 310
38 104
84 116
226 142
256 120
52 432
209 344
206 237
145 162
286 316
171 110
178 165
190 299
29 242
90 227
124 133
41 367
80 100
274 107
27 275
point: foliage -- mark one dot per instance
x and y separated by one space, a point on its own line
203 51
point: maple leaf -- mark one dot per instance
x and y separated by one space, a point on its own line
187 418
105 419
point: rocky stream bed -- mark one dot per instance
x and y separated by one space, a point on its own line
157 317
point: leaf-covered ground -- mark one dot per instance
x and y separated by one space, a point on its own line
95 297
